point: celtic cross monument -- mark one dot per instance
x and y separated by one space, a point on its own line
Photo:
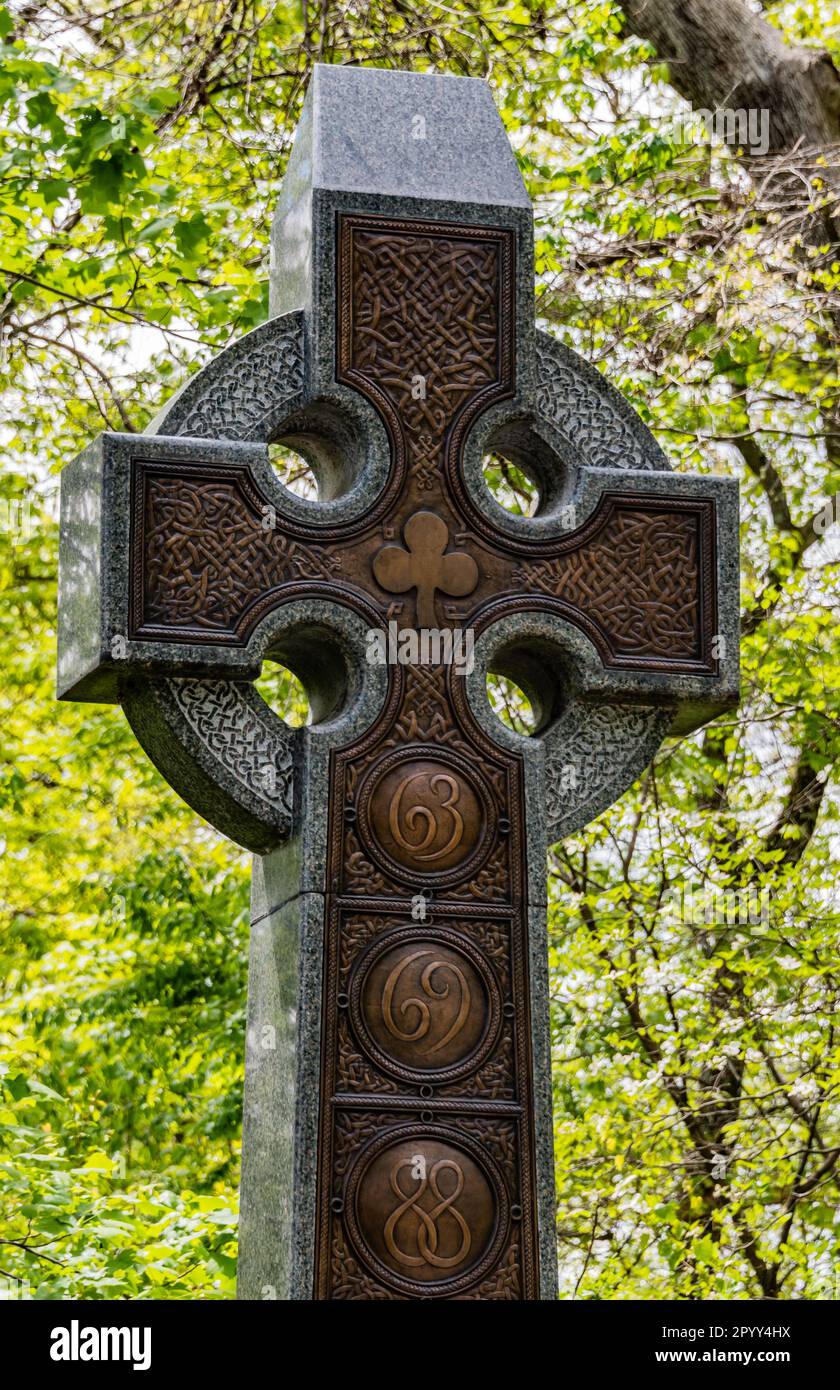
397 1125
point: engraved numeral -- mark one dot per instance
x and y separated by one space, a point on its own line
423 814
423 1010
426 1236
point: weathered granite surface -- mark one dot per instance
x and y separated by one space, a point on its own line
289 904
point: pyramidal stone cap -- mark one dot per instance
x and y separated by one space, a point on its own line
422 135
409 142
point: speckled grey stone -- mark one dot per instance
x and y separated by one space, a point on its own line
223 749
343 161
289 905
419 139
94 653
80 571
591 748
246 391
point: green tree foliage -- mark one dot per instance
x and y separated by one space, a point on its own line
696 1054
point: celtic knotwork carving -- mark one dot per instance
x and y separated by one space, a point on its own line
491 883
431 362
354 1072
592 750
494 940
356 932
425 715
425 453
496 1080
498 1136
352 1129
350 1282
596 423
359 873
638 578
505 1283
208 556
239 733
255 381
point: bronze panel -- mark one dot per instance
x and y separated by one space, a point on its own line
424 818
428 299
425 1154
426 1021
637 577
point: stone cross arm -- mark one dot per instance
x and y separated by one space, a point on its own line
397 1134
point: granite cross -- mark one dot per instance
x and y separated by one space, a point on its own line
397 1137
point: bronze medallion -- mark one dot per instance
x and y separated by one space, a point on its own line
423 817
426 1210
424 1004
